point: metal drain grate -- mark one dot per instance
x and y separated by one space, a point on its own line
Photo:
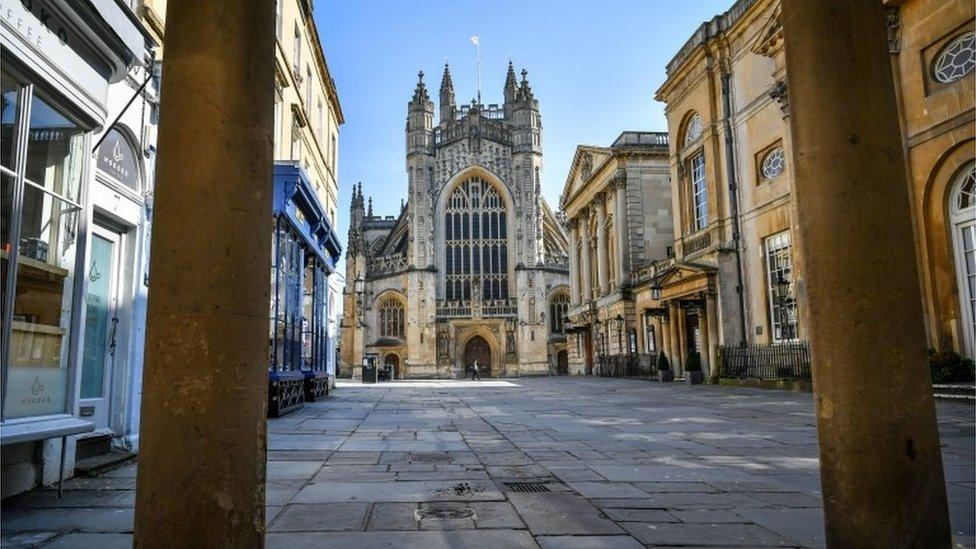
527 486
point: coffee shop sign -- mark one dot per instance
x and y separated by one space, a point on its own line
49 24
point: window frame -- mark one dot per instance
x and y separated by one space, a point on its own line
784 247
699 210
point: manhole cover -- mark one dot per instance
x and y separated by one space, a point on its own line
527 486
443 513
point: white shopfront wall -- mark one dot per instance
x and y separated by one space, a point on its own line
58 60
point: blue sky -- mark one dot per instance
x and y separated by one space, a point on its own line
594 67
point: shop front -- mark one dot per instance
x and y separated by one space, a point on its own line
305 253
58 61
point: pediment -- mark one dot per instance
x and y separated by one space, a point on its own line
770 39
586 162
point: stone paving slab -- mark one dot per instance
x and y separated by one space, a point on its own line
430 465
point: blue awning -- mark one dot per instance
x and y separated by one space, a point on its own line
296 202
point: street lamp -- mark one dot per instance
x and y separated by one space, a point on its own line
359 285
655 292
620 331
781 292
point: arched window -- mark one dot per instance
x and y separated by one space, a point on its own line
391 317
693 129
962 213
475 243
558 305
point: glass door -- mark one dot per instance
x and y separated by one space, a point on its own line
101 325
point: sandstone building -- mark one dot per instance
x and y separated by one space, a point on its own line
617 202
728 112
473 267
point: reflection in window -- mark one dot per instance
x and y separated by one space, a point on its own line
475 243
779 277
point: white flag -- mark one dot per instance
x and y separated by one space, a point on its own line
474 40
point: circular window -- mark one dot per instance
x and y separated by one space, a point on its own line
773 163
957 59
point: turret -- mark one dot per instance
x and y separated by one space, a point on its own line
527 130
420 119
448 105
356 213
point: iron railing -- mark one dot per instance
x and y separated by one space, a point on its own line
786 361
640 365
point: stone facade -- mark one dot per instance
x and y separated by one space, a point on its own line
469 267
728 114
617 202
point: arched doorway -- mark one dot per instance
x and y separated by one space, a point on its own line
562 363
393 361
962 213
477 349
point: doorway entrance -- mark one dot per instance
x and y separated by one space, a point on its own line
101 325
562 363
477 349
392 362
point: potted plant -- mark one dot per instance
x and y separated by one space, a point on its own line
693 368
664 372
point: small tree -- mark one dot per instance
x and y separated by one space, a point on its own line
662 362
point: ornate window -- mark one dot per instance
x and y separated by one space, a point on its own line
391 317
693 129
699 192
773 163
558 306
475 243
779 282
962 213
956 59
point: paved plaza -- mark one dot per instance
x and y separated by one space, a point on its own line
549 462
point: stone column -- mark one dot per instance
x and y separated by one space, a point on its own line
706 341
574 264
659 333
682 329
585 241
880 463
601 246
620 226
204 401
711 325
674 340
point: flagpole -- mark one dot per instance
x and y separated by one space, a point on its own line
478 47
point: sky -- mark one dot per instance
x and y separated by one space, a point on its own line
594 67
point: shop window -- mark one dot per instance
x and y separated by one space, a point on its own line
779 285
40 223
956 59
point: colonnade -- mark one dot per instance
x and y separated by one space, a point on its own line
604 221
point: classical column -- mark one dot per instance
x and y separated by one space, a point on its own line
585 253
204 401
574 265
660 330
674 341
601 246
682 338
706 341
620 226
711 323
880 463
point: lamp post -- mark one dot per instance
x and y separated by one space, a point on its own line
781 292
598 337
360 286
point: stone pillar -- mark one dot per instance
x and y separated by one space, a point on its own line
204 401
706 341
659 333
585 241
880 463
602 266
674 340
620 226
711 325
574 265
682 330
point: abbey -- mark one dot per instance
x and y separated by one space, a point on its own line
474 266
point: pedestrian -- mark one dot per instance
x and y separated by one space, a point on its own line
474 371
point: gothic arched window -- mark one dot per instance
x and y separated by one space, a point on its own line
391 317
558 305
475 243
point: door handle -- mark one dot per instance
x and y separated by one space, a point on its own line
111 345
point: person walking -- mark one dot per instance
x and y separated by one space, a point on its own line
474 371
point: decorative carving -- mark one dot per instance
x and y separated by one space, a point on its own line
779 93
893 25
